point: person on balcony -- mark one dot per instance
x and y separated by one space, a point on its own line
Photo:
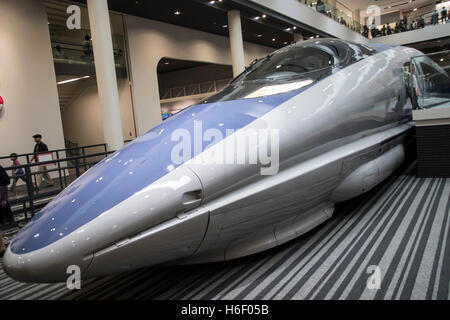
435 18
87 48
421 22
40 147
365 31
320 6
388 30
444 15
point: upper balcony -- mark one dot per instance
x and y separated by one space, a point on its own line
337 20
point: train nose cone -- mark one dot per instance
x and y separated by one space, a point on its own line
44 265
121 196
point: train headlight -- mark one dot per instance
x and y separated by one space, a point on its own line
279 88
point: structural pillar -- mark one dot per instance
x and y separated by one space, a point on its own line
236 44
106 73
357 18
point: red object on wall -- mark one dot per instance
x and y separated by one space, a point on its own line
1 100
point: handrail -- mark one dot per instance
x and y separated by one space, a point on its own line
58 150
50 162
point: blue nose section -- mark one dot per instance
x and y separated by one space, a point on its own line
133 168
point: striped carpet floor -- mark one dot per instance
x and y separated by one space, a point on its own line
402 227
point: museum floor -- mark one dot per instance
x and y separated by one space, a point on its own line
402 227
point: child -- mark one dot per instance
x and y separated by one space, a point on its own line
2 246
18 173
5 210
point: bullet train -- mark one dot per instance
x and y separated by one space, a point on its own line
332 118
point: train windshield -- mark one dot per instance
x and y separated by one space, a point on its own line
291 68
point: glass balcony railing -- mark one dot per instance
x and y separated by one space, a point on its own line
429 79
332 11
75 47
413 20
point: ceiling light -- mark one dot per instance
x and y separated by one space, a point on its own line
166 63
225 26
287 29
177 13
264 16
294 27
259 35
415 9
256 18
72 80
212 2
274 39
317 36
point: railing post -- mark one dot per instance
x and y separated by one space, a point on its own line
84 158
30 190
77 168
59 171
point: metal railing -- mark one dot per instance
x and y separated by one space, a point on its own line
207 87
27 200
25 157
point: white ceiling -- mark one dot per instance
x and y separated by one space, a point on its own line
396 5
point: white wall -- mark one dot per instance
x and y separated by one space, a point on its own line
27 79
149 41
82 119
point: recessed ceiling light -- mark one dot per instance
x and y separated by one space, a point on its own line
274 39
264 16
225 26
177 13
317 36
259 35
294 27
212 2
256 18
287 29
